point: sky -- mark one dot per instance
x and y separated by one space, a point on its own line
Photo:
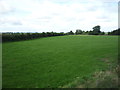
57 15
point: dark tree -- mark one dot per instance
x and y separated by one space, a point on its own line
96 30
71 33
9 36
114 32
102 33
78 31
90 32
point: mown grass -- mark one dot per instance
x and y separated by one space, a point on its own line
56 61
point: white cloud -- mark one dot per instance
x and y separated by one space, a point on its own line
5 8
9 21
57 15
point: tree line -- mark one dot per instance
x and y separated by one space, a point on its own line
95 31
114 32
10 36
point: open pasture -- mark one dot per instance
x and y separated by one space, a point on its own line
56 61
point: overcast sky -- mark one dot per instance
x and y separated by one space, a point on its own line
57 15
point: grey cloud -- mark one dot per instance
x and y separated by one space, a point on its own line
102 17
45 17
92 8
110 7
5 8
10 22
7 11
74 19
16 23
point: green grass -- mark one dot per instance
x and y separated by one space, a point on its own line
56 61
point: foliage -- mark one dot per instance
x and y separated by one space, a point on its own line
96 30
70 33
78 31
102 33
9 36
114 32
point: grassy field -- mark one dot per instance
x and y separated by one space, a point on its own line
56 61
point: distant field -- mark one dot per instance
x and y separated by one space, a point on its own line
56 61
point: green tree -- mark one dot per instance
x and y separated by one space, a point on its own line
102 33
71 33
90 32
78 31
96 30
114 32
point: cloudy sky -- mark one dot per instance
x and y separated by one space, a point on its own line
57 15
